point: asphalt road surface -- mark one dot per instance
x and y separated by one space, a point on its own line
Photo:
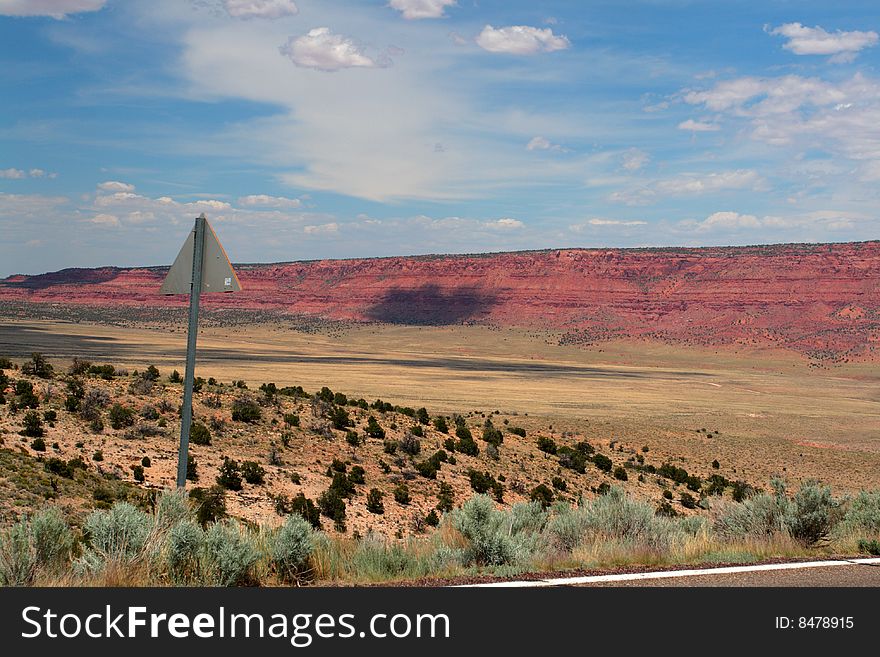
853 575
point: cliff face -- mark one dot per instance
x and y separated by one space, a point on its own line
822 300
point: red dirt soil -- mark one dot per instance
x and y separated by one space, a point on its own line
821 300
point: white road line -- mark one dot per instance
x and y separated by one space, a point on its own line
662 574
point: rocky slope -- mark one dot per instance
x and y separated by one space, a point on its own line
821 300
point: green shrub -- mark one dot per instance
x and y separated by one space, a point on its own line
483 527
253 473
184 544
547 445
332 505
763 514
146 462
374 501
445 497
38 445
210 504
688 501
863 513
138 473
352 438
18 565
33 426
357 475
409 444
120 416
620 473
199 434
602 462
291 420
192 468
869 546
292 548
118 534
98 456
559 483
440 424
304 507
422 416
340 419
466 443
543 495
517 431
373 429
230 474
175 377
813 513
491 434
246 409
401 494
231 554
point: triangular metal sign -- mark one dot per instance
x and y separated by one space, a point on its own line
217 272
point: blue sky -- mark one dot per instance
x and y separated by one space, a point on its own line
319 128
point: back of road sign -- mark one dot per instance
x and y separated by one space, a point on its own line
217 272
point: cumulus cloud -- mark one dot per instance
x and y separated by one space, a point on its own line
841 46
105 220
727 221
322 50
521 40
417 9
57 9
19 174
634 159
269 201
322 229
691 185
698 126
505 223
842 117
269 9
543 144
826 221
115 186
599 222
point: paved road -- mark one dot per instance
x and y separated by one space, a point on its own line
854 575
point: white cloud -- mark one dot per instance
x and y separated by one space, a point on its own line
825 221
698 126
615 222
12 174
269 201
521 40
36 173
506 223
57 9
599 222
690 184
634 159
842 46
840 117
543 144
322 229
115 186
322 50
416 9
727 221
208 204
105 220
270 9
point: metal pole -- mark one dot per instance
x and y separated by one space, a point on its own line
191 335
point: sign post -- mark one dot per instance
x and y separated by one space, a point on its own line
201 266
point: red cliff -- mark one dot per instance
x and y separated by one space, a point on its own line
818 299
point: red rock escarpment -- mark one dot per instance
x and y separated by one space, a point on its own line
818 299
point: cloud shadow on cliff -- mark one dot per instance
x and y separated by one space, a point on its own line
429 305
